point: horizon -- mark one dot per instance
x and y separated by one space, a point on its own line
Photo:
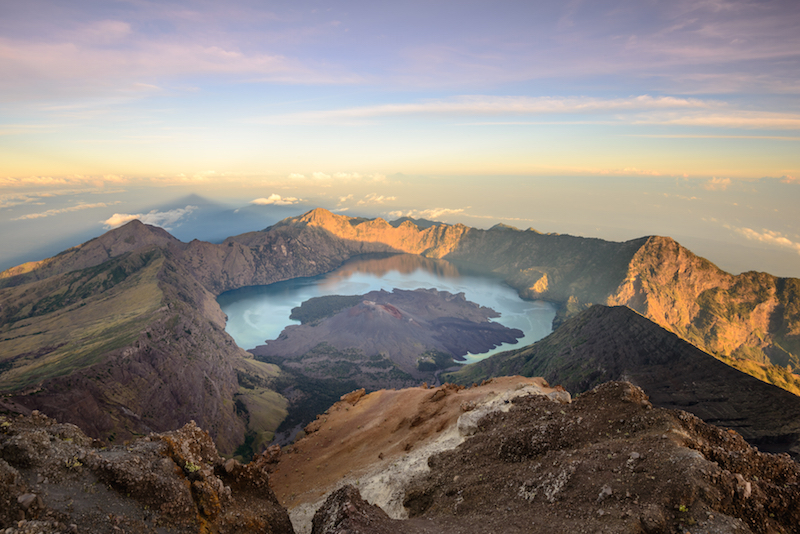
610 120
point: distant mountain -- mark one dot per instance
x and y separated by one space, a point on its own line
123 335
603 344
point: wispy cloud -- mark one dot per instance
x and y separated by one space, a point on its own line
276 200
164 219
59 211
769 237
730 118
474 105
432 213
374 198
635 110
71 182
107 57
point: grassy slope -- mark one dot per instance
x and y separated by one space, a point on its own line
70 321
266 409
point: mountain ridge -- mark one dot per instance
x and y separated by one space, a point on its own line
749 320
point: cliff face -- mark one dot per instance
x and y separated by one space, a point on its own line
751 316
434 241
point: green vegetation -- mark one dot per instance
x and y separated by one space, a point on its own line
68 322
379 361
263 408
316 309
432 360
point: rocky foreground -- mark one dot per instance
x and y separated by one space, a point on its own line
54 479
511 455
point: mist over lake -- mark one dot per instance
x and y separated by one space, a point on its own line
259 313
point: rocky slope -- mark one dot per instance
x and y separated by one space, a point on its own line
510 455
616 343
382 440
751 316
53 478
121 346
606 462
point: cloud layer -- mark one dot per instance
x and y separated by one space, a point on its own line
164 219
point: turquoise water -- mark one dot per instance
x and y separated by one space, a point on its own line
260 313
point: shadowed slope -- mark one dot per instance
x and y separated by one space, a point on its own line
603 344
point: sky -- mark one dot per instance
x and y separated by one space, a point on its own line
607 118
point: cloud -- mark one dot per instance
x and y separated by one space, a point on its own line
112 56
346 198
637 110
50 213
10 201
277 200
717 184
769 237
491 105
118 219
321 176
730 118
374 198
790 179
73 181
433 213
154 218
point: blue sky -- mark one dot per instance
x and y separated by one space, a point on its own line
612 119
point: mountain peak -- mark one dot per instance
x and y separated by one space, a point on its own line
503 227
319 215
133 235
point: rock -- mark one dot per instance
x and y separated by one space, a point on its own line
606 491
345 511
354 396
230 465
176 479
552 464
26 500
